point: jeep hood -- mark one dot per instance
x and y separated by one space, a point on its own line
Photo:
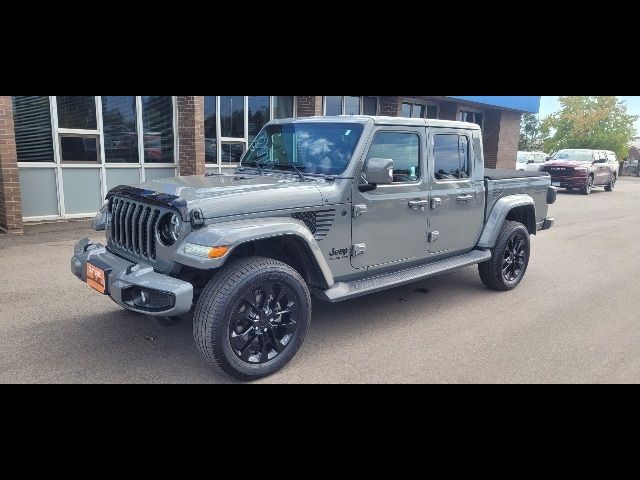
228 195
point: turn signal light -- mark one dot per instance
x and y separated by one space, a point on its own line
218 252
204 251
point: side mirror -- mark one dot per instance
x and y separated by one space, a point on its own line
378 171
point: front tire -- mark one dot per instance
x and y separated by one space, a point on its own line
506 268
252 317
586 190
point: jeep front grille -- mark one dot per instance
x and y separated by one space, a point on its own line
133 227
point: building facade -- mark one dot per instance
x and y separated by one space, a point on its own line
60 155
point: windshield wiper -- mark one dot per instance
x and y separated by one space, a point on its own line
295 167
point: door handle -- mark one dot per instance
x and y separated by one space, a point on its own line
465 198
435 202
418 204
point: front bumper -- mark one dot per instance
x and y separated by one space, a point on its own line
164 295
569 182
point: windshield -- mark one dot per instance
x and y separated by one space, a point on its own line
522 157
574 155
318 148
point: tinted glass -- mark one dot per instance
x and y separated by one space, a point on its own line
403 149
465 167
259 113
352 105
369 105
120 129
232 117
77 112
210 138
79 149
446 157
232 153
157 119
32 124
317 148
333 106
283 107
432 111
406 110
419 111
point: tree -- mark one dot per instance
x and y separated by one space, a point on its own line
532 133
591 122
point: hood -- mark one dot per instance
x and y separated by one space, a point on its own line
564 163
227 195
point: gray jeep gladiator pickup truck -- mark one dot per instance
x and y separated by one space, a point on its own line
336 207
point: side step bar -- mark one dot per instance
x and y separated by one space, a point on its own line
346 290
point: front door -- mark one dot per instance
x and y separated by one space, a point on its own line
455 196
390 222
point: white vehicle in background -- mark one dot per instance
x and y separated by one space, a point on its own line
531 161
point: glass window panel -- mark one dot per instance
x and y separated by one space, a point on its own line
465 165
232 153
79 149
370 106
283 107
406 110
259 115
419 111
232 117
432 111
333 106
352 105
77 112
158 173
120 129
32 124
210 136
403 149
82 190
122 176
158 137
39 192
479 119
446 157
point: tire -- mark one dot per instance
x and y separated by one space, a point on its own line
586 190
611 185
238 306
492 271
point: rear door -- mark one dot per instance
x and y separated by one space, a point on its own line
457 195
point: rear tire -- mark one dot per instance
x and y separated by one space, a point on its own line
611 185
508 264
252 317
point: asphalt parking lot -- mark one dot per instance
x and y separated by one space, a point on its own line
575 317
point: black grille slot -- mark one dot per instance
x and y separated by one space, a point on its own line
133 227
319 223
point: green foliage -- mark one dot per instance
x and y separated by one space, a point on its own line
590 122
532 133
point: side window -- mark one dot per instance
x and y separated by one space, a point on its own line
451 157
404 149
539 158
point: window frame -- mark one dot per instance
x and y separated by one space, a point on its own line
420 168
343 104
425 103
475 111
470 158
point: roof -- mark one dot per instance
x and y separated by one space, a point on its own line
379 120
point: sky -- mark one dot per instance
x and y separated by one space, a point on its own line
549 105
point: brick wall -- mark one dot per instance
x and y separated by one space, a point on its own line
390 106
491 137
191 147
10 198
449 111
509 140
309 106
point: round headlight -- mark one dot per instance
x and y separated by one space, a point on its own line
169 229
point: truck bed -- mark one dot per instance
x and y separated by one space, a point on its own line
502 174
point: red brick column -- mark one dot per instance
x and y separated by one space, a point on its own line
491 137
390 106
191 148
509 140
309 106
10 198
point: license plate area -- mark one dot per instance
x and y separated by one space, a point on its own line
555 184
97 276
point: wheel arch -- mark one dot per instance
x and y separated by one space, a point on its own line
518 208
